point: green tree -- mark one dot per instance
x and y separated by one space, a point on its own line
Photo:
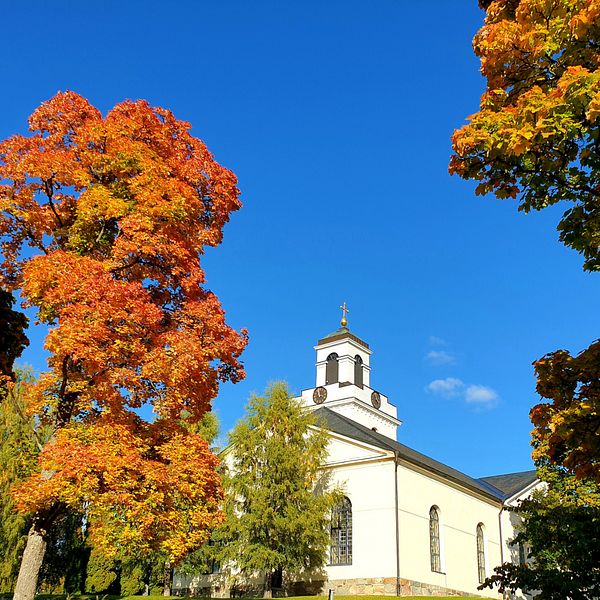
18 454
278 498
20 442
67 554
102 573
561 532
12 333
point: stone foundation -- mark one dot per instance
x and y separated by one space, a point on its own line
375 586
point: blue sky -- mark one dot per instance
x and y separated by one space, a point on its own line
336 117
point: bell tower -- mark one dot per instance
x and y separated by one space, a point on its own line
343 382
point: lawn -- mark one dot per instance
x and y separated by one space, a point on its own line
376 597
105 597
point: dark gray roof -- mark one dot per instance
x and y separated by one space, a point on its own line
349 428
340 334
511 483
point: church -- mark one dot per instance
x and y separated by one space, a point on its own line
408 525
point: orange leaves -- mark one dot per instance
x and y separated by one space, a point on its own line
62 115
103 222
567 425
585 19
535 135
140 492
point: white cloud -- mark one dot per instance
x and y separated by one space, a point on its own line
434 340
440 357
481 396
449 387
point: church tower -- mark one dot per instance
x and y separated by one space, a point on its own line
343 382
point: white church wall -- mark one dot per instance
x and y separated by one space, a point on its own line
343 452
370 488
460 513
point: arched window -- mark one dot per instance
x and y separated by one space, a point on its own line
332 369
480 554
434 539
358 371
340 552
522 556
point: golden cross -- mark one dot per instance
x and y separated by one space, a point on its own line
344 321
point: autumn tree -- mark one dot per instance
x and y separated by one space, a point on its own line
567 425
536 138
278 499
136 573
103 221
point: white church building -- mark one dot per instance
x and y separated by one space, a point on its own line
408 525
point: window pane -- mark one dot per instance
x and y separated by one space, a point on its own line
480 555
340 552
434 540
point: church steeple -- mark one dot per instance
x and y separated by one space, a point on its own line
343 380
338 355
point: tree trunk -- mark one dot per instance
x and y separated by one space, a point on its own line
31 563
268 587
167 578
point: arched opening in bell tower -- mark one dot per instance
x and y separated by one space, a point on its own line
358 371
332 369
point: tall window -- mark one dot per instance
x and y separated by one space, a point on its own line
358 371
522 557
434 539
480 554
340 552
332 369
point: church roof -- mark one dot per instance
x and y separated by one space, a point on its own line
511 483
340 334
349 428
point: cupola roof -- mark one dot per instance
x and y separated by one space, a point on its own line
341 334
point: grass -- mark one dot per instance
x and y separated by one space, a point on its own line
375 597
106 597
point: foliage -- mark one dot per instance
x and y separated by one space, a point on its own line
12 333
20 441
567 427
102 223
278 501
561 529
138 574
18 452
66 555
101 574
536 136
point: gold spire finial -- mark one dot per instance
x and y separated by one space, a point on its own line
344 321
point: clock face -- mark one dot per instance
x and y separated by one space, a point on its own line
319 395
376 399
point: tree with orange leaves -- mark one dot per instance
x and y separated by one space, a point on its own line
536 138
102 224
